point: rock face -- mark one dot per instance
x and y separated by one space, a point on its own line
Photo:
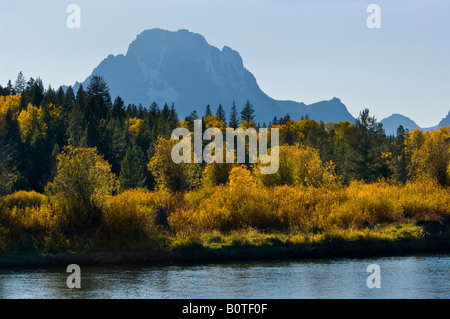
181 67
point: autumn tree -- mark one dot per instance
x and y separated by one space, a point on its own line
82 180
299 165
433 156
169 175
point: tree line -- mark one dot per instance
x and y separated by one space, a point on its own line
36 124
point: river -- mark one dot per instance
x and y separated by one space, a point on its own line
420 276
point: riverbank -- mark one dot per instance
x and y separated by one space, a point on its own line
392 240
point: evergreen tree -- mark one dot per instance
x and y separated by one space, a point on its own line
234 121
275 121
221 113
25 95
8 174
10 88
59 97
69 99
132 172
400 157
118 109
364 161
173 114
20 84
97 108
76 130
114 143
49 97
154 109
132 110
165 111
37 92
140 111
208 111
248 112
99 100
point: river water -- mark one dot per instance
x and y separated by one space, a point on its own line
421 276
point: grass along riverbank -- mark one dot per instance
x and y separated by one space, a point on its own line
241 220
430 236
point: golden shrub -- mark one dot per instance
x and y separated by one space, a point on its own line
22 199
129 214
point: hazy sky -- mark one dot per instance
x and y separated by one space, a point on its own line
305 51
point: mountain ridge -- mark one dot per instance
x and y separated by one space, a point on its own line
181 67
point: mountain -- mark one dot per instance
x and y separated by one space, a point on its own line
391 123
181 67
445 121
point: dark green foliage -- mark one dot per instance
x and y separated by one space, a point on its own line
234 121
366 147
208 111
221 113
126 136
133 170
400 158
248 112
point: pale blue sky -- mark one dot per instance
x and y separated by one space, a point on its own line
305 51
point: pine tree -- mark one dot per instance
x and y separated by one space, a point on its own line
234 121
248 112
208 110
275 121
20 84
132 172
37 92
118 109
76 130
114 142
166 111
221 113
10 88
59 97
401 159
366 147
69 99
97 107
99 100
49 97
173 114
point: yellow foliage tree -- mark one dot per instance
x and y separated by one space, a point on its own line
133 124
82 181
31 121
12 103
167 174
299 165
432 157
